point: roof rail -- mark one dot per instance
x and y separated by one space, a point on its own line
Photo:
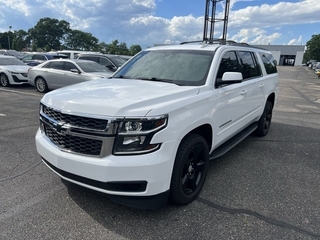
217 41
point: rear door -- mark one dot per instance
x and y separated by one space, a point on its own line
253 78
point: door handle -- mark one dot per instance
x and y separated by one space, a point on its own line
243 92
261 85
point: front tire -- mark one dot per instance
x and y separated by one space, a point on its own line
4 81
190 169
41 85
265 120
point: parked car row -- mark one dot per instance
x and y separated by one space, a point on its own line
48 71
58 73
34 59
314 65
11 52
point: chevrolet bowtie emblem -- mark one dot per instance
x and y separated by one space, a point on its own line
61 128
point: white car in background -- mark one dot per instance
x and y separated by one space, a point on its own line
12 71
58 73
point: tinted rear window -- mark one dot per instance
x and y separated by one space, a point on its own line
269 62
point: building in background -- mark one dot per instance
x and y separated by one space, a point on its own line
286 55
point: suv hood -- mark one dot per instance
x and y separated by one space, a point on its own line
117 97
16 68
99 74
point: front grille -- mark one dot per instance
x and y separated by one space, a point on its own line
76 121
16 79
76 134
74 143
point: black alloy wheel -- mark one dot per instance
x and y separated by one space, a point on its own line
190 169
264 122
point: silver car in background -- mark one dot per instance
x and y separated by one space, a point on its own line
63 72
12 71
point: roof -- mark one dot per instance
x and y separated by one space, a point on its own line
205 46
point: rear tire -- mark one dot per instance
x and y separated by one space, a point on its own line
41 85
265 120
190 169
4 80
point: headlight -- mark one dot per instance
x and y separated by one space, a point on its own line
134 135
12 72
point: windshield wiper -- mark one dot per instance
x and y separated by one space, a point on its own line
121 76
161 80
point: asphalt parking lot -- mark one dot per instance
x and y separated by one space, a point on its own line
265 188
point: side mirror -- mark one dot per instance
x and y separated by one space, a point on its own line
75 71
111 68
230 78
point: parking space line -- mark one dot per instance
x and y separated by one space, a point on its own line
14 91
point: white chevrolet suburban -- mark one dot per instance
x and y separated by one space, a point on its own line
147 134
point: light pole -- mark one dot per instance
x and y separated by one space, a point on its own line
9 36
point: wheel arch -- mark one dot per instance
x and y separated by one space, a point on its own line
204 131
272 98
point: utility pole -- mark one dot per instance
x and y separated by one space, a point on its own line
210 20
9 36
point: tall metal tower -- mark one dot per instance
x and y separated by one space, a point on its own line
210 20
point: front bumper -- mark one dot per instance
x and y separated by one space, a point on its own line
134 175
19 78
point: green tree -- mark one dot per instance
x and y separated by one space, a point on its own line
112 48
313 48
79 40
134 49
122 49
20 40
34 47
49 32
117 48
4 40
103 47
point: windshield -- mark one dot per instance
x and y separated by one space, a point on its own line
183 67
90 66
118 61
11 61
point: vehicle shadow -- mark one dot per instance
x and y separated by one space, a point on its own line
235 180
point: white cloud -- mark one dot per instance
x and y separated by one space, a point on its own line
282 13
135 22
19 5
255 36
295 41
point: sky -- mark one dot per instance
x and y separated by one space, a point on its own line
150 22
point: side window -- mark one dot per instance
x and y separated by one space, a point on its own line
229 63
39 57
54 65
249 66
27 57
68 66
268 62
105 62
